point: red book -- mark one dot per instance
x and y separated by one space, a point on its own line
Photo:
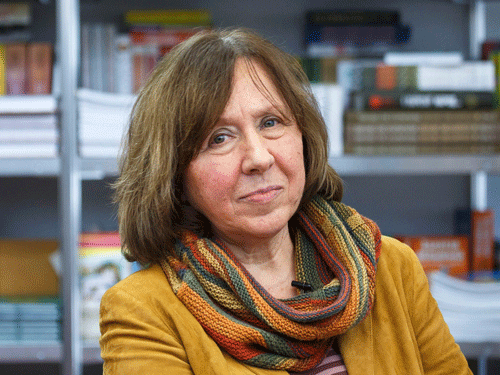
39 68
15 68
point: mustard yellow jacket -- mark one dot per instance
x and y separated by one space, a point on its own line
145 329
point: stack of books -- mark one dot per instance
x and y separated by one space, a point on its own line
103 119
423 103
29 126
470 308
26 321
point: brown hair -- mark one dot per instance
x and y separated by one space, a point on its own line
180 103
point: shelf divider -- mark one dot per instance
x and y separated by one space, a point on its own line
68 47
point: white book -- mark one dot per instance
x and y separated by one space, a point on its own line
28 150
26 104
468 76
123 65
330 98
423 58
30 121
29 135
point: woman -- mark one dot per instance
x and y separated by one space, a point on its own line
255 265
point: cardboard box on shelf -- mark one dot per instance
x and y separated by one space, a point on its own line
25 269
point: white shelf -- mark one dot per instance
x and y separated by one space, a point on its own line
18 167
48 353
350 165
424 164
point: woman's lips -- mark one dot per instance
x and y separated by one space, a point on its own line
262 195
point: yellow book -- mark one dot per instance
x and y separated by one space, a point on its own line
2 69
194 17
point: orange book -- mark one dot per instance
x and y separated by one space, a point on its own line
39 68
482 240
15 68
450 253
385 77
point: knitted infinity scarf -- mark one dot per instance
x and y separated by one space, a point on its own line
336 251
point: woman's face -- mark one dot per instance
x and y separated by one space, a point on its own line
249 176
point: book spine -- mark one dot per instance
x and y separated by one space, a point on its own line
123 65
320 70
380 100
2 69
39 68
15 68
86 56
195 17
352 17
108 63
483 236
358 36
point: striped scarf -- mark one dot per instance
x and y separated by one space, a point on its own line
336 252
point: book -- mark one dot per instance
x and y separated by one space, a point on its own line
479 226
2 70
422 58
16 104
410 100
124 51
330 101
14 14
169 17
39 68
15 68
343 17
468 76
447 253
357 36
101 266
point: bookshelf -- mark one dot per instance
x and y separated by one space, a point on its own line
73 172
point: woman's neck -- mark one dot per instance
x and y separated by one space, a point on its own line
270 261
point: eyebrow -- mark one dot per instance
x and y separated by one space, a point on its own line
269 109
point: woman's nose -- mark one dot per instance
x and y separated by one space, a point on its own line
257 156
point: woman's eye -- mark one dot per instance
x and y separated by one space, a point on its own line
269 123
218 139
